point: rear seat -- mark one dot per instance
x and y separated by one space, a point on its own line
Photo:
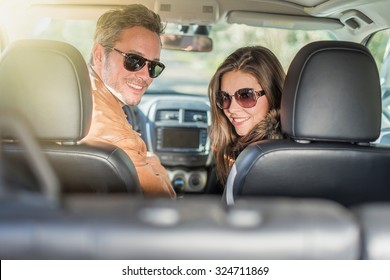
118 227
374 219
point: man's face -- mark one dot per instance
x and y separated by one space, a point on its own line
129 85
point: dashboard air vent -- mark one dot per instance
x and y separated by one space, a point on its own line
167 115
195 116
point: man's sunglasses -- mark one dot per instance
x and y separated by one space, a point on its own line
245 97
134 62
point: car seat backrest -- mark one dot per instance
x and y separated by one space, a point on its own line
47 82
332 93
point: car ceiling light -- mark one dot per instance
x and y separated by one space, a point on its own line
188 12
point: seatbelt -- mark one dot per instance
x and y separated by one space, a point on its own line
131 116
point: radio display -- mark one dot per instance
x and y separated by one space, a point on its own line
181 138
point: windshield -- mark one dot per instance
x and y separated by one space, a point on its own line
190 72
186 72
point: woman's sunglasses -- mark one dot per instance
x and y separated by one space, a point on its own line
134 62
245 97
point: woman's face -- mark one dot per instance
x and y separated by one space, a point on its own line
243 119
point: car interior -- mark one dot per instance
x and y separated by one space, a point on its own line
322 193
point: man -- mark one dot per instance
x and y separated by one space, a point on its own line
124 62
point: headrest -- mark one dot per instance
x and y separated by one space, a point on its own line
332 93
47 82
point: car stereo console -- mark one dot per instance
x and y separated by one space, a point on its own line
181 139
178 135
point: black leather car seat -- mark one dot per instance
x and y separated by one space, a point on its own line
331 112
47 83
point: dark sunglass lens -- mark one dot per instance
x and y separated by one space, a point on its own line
134 62
246 98
155 69
226 102
223 100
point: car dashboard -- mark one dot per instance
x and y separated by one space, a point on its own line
175 127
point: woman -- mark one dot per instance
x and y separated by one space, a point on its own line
245 94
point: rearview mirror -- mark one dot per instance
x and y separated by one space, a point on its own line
190 43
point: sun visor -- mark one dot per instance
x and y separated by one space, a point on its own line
283 21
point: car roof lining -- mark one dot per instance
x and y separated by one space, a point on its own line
351 20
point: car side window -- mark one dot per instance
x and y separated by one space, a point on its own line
379 45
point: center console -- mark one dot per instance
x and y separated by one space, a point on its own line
178 135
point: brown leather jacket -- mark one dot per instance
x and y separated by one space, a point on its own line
109 125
